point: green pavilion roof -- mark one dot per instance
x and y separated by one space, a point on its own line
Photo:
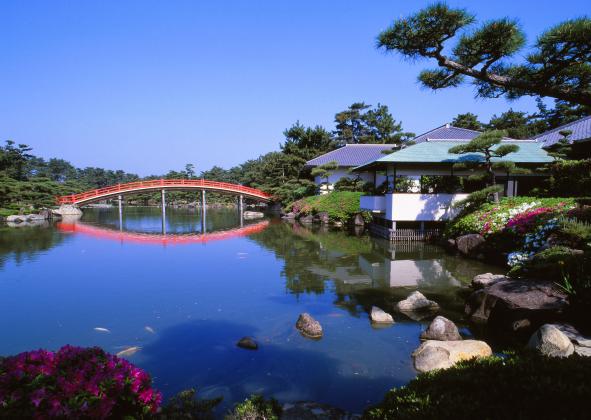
437 151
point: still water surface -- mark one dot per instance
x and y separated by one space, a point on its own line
198 294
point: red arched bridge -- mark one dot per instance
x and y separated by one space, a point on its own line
161 185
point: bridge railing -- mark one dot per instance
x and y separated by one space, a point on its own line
139 185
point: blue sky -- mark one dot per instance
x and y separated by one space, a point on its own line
148 86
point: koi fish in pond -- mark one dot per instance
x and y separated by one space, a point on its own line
102 330
130 351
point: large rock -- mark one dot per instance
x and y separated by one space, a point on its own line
550 341
322 217
469 244
35 217
68 210
290 215
378 316
416 301
307 219
308 326
517 305
358 220
441 329
16 218
581 343
481 281
247 343
434 354
253 215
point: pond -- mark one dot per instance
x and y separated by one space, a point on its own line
186 298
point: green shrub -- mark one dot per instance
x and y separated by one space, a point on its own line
352 184
340 206
185 405
574 232
570 178
519 387
256 408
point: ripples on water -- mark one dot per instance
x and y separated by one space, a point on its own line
186 297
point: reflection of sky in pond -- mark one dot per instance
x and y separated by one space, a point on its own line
200 298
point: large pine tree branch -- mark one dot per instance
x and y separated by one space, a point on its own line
507 82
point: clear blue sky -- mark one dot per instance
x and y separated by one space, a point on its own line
148 86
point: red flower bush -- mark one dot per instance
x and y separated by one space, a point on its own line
525 222
74 382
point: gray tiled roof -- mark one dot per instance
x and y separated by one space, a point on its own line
581 131
447 132
352 154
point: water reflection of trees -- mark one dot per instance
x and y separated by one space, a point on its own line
23 244
362 271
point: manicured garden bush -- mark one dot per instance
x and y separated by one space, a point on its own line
186 405
340 206
74 382
517 387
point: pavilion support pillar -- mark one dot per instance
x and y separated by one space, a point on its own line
163 192
120 202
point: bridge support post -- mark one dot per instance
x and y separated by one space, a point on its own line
119 200
241 209
163 192
203 212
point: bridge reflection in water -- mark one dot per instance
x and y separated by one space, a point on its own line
156 238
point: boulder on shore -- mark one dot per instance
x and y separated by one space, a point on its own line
322 217
247 343
550 341
481 281
517 305
307 219
358 220
434 354
378 316
253 215
441 329
68 210
290 215
416 301
16 218
308 326
469 244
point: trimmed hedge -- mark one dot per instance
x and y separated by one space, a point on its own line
519 387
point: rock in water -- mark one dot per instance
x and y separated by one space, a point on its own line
416 301
253 215
441 329
434 354
15 218
550 341
247 343
487 279
308 326
468 244
378 316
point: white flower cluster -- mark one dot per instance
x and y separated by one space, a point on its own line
500 219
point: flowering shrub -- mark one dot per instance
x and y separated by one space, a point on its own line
74 382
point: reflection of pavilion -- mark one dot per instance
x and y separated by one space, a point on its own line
421 266
164 239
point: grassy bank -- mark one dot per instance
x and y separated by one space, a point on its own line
340 206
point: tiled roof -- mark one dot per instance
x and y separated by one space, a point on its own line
447 132
581 131
437 151
352 154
